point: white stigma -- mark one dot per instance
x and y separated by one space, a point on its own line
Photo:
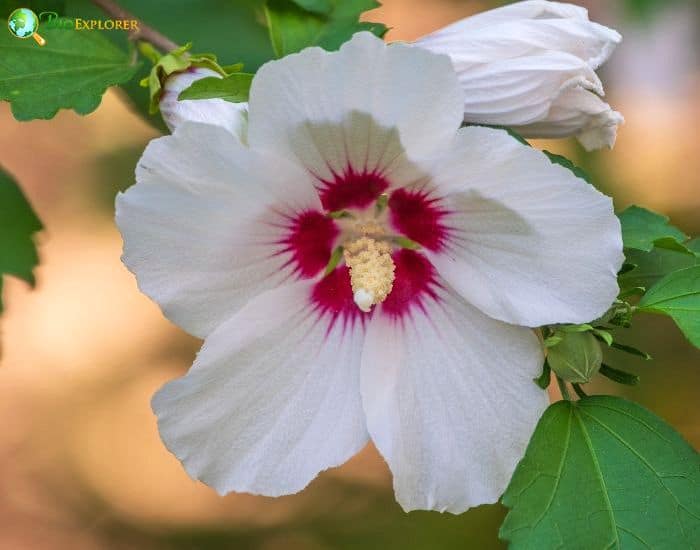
364 299
371 271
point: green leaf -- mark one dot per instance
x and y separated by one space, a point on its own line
293 28
604 473
643 229
566 163
71 71
677 295
233 88
323 7
694 246
651 267
18 223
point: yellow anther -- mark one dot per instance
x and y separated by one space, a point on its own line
371 271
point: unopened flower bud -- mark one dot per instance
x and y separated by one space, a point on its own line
232 116
531 66
576 358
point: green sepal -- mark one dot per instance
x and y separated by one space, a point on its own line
147 50
233 88
552 341
233 68
177 61
626 268
619 315
584 327
634 291
603 336
631 350
619 376
544 379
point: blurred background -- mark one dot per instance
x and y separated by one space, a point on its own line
81 464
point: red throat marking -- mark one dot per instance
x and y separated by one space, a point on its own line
312 235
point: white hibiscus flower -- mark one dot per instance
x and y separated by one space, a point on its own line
531 65
362 149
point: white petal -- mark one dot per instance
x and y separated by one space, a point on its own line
201 223
529 9
450 402
600 131
520 91
590 42
272 399
533 244
331 108
582 113
232 116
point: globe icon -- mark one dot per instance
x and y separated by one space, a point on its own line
24 23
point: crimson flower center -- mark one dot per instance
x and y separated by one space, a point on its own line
368 244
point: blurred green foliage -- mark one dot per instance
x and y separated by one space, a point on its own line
18 223
37 6
328 24
646 9
340 516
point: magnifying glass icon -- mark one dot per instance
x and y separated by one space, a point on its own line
24 23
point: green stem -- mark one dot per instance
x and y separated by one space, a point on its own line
579 391
143 32
562 388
